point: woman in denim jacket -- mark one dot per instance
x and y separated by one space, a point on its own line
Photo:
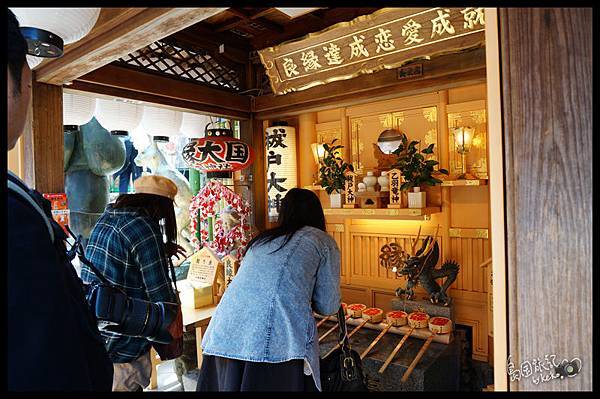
263 335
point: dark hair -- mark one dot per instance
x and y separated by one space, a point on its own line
299 208
16 50
156 207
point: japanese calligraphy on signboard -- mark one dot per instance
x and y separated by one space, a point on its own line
218 154
280 165
395 178
350 190
385 39
230 265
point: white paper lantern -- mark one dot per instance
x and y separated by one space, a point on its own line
161 121
280 165
34 61
78 109
193 125
139 138
118 114
71 24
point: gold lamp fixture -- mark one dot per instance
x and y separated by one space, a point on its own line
463 139
318 152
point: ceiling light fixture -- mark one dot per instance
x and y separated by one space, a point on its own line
47 30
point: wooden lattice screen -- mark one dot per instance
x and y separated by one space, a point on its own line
174 59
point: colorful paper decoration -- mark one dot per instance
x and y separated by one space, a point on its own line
205 208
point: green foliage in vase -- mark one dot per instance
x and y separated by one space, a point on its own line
413 166
333 168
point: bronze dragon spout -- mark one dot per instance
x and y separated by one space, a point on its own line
419 268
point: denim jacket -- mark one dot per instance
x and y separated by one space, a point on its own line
265 314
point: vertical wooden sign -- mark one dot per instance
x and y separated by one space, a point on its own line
230 264
350 190
395 193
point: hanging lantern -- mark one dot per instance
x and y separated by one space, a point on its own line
218 151
78 109
118 115
139 138
47 30
158 121
281 166
33 61
192 125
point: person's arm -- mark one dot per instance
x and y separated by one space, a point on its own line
149 253
326 297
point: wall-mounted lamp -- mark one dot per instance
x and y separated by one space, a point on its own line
463 138
318 152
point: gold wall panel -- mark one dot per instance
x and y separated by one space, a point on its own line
418 124
470 253
355 295
468 233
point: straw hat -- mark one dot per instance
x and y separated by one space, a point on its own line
154 184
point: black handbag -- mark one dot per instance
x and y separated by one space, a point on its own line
342 370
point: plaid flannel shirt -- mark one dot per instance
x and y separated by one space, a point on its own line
127 248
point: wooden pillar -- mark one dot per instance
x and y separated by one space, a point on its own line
259 185
546 58
44 143
307 135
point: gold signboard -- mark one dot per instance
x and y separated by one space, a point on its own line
385 39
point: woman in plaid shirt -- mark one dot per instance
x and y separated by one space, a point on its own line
127 247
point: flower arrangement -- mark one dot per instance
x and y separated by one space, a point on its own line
333 168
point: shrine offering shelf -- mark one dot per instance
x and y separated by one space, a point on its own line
383 213
464 182
420 333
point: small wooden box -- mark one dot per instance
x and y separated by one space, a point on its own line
370 199
196 296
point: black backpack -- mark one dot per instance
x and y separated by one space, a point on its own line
100 363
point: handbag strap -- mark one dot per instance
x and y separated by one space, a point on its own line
343 337
174 278
348 365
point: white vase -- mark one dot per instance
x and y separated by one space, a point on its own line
384 181
416 198
335 200
370 181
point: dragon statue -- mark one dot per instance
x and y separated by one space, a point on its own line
419 268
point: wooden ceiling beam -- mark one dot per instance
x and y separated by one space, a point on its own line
231 25
115 35
206 32
262 13
148 83
112 92
271 26
231 57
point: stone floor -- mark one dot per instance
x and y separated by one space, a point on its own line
166 379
